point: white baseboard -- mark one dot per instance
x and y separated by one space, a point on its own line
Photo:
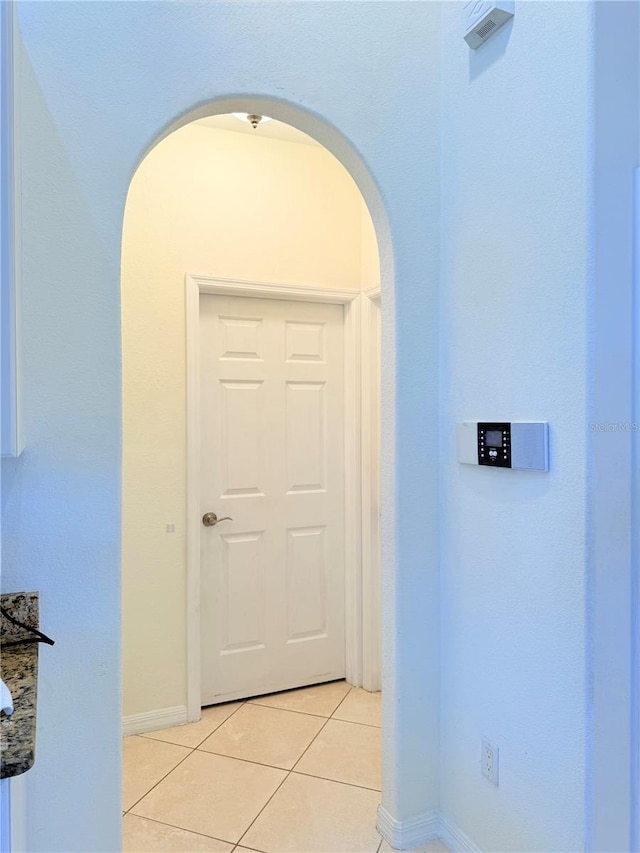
455 838
150 721
408 834
420 831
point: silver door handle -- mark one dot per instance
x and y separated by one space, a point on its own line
210 519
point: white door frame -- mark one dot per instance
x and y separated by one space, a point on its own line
358 608
370 472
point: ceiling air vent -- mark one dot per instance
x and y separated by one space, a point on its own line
483 19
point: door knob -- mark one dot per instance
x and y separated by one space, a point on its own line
210 519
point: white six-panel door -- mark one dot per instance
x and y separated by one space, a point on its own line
272 458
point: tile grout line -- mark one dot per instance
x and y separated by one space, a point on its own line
287 772
333 716
149 735
342 701
287 776
246 760
289 690
313 740
287 769
183 829
160 780
327 779
254 704
354 723
232 714
191 749
337 781
289 710
194 748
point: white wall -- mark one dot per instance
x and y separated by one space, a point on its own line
231 205
10 425
533 612
60 517
612 571
101 82
522 147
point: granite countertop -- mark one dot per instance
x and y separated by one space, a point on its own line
19 670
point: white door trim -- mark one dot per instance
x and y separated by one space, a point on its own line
195 285
370 473
269 290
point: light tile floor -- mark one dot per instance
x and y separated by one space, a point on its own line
294 772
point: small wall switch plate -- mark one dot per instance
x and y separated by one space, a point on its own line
482 19
489 761
170 527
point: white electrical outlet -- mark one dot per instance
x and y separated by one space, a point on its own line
489 761
170 527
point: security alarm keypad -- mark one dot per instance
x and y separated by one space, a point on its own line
521 446
494 444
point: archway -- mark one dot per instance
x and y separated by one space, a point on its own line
253 106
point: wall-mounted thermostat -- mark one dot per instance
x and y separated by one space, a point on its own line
501 444
482 19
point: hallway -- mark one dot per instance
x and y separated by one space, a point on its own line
293 772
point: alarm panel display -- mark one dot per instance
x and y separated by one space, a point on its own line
504 444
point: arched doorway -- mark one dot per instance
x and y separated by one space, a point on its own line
149 480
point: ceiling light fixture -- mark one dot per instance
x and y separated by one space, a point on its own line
252 118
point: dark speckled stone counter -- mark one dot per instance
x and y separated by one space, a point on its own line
19 670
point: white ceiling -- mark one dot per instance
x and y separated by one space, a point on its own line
272 129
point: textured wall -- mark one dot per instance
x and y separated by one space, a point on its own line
515 205
612 567
227 204
535 572
102 81
534 611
